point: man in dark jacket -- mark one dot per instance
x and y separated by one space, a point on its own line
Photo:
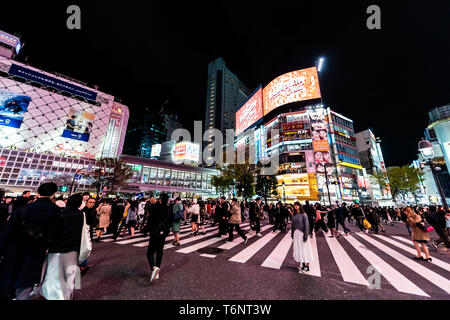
117 211
222 214
341 214
23 200
24 254
359 215
159 228
255 214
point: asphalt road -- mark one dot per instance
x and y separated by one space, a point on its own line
264 269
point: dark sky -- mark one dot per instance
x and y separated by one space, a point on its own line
143 51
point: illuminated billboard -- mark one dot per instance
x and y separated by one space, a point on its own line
250 112
78 125
186 151
291 87
156 150
51 120
13 106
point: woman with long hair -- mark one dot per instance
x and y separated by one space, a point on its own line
302 250
195 216
420 236
104 215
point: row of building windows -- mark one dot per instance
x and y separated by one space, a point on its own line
341 121
170 177
348 150
348 159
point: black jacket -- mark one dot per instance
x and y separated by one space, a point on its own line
158 220
68 235
357 212
341 213
91 216
23 259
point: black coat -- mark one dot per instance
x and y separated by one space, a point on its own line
23 258
158 220
68 235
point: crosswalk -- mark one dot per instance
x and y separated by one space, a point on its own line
391 256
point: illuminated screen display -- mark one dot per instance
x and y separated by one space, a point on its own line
186 151
13 107
156 150
250 112
46 120
291 87
78 125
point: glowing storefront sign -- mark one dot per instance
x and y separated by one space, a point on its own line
250 112
186 151
291 87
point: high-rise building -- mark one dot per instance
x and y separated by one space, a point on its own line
225 94
143 132
371 157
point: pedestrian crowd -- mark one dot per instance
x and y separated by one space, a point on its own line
45 241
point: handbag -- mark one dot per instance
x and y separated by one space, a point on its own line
86 244
366 224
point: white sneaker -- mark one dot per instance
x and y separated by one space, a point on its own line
366 231
155 273
259 234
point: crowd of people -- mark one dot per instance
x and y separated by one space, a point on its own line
43 238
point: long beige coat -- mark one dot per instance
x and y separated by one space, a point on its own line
235 215
104 216
417 233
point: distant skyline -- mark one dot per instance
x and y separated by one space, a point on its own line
386 80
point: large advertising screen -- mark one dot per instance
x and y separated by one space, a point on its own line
13 107
321 146
186 151
291 87
43 120
78 125
250 112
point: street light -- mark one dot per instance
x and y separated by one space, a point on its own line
320 64
426 149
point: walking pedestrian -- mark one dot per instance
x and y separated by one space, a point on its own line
331 222
235 221
302 249
319 223
255 215
104 216
159 227
24 242
130 221
341 213
311 213
438 221
176 224
359 215
62 258
222 215
419 236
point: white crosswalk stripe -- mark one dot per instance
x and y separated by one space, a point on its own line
314 268
395 278
276 258
252 249
231 245
431 276
348 269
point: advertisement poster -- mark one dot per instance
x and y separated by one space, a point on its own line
291 87
79 125
320 140
13 107
250 112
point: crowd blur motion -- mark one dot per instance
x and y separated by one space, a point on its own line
45 240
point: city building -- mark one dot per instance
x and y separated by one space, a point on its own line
153 176
315 146
225 94
371 157
144 131
52 125
438 133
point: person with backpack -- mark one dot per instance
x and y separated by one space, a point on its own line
420 235
24 242
178 215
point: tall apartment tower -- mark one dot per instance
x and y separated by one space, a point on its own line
225 94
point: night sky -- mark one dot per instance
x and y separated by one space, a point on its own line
384 79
